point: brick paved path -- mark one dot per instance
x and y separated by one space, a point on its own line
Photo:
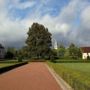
33 76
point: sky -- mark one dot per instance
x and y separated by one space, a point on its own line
67 20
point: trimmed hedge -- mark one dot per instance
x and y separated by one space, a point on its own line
38 60
71 61
8 61
7 68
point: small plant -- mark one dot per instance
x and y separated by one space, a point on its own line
88 57
20 58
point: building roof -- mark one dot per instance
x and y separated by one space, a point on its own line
85 49
1 46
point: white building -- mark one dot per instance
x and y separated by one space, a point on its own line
85 52
2 52
54 44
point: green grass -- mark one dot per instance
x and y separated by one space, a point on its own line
76 74
5 64
9 61
82 67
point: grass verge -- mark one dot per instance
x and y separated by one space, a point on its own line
75 74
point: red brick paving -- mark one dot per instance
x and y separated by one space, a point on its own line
33 76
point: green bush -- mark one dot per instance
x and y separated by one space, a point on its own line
70 61
88 57
20 59
11 66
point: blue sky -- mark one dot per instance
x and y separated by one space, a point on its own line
67 20
50 7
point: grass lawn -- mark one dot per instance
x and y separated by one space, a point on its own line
9 61
5 64
76 74
82 67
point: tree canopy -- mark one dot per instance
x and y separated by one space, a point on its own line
38 41
61 51
74 51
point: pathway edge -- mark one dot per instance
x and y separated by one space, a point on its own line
59 80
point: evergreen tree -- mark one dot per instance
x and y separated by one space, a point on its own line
38 41
61 51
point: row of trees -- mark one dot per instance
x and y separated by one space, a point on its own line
72 51
39 46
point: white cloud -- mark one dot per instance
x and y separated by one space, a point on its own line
63 28
11 31
61 25
85 17
22 5
45 1
52 24
69 13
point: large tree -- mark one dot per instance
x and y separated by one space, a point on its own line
74 51
38 41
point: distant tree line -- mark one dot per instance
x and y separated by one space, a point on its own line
39 46
71 52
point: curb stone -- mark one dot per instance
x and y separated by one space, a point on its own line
60 81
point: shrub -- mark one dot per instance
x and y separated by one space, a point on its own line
20 58
7 68
9 55
88 57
